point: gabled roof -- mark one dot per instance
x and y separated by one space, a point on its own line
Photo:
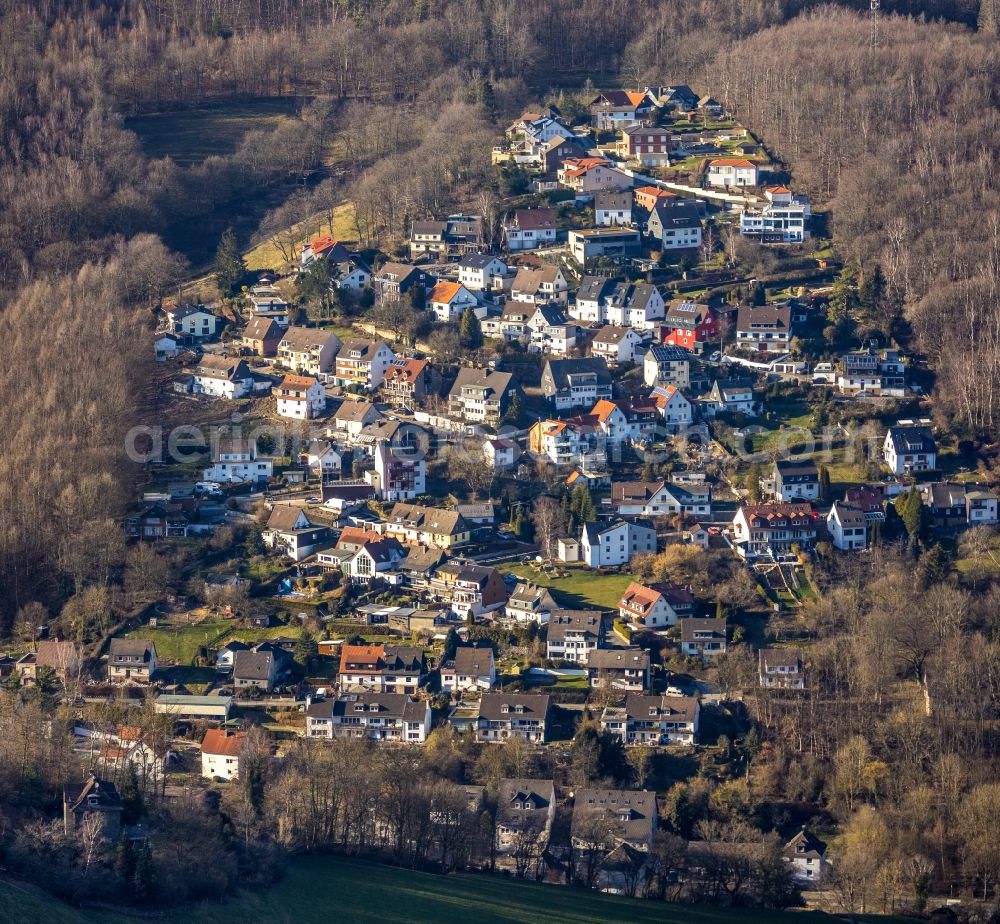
283 517
253 665
731 162
642 598
589 623
772 317
262 329
488 379
625 815
222 743
478 260
405 369
561 369
534 219
530 280
470 661
428 519
532 705
672 708
805 844
303 339
700 630
355 411
445 292
618 659
132 648
613 335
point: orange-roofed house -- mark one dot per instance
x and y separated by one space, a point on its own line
674 407
562 442
614 110
221 754
655 606
406 381
300 397
646 197
448 300
323 246
732 171
361 666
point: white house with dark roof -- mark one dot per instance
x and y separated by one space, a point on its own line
530 603
796 480
131 659
848 527
394 717
781 668
909 447
223 377
237 460
616 345
609 545
622 669
471 669
653 721
513 715
194 321
574 634
363 362
806 854
481 272
544 284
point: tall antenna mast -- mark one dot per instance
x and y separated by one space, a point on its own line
874 33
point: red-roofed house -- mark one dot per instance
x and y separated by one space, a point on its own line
587 175
323 245
406 381
300 397
527 229
655 606
732 171
646 197
220 754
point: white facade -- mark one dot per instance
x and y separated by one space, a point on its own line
616 544
484 276
732 172
785 224
451 307
301 401
847 527
224 766
239 464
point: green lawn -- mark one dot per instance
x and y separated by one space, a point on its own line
318 890
180 643
193 135
579 587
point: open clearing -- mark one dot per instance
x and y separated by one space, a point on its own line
318 890
193 135
578 587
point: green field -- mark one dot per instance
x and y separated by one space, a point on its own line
194 135
318 890
180 643
578 588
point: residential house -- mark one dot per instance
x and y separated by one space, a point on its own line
615 345
382 668
192 321
573 634
778 222
377 559
806 854
770 530
633 420
732 171
528 229
869 500
398 475
300 397
764 328
323 459
266 302
393 281
93 798
481 395
646 197
550 333
589 175
526 810
353 416
674 407
658 498
166 346
255 669
236 460
622 669
675 224
470 669
290 532
729 399
406 381
847 526
158 521
322 247
609 301
650 146
454 236
261 336
512 322
871 373
796 480
655 606
394 717
679 97
612 243
351 274
537 285
554 153
614 110
609 545
62 658
530 603
223 377
667 365
566 442
781 669
513 715
222 754
613 208
570 383
909 447
449 300
470 589
481 272
605 819
500 454
703 638
689 324
428 526
132 659
363 362
653 721
955 506
308 350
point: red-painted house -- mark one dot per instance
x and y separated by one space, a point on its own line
689 324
